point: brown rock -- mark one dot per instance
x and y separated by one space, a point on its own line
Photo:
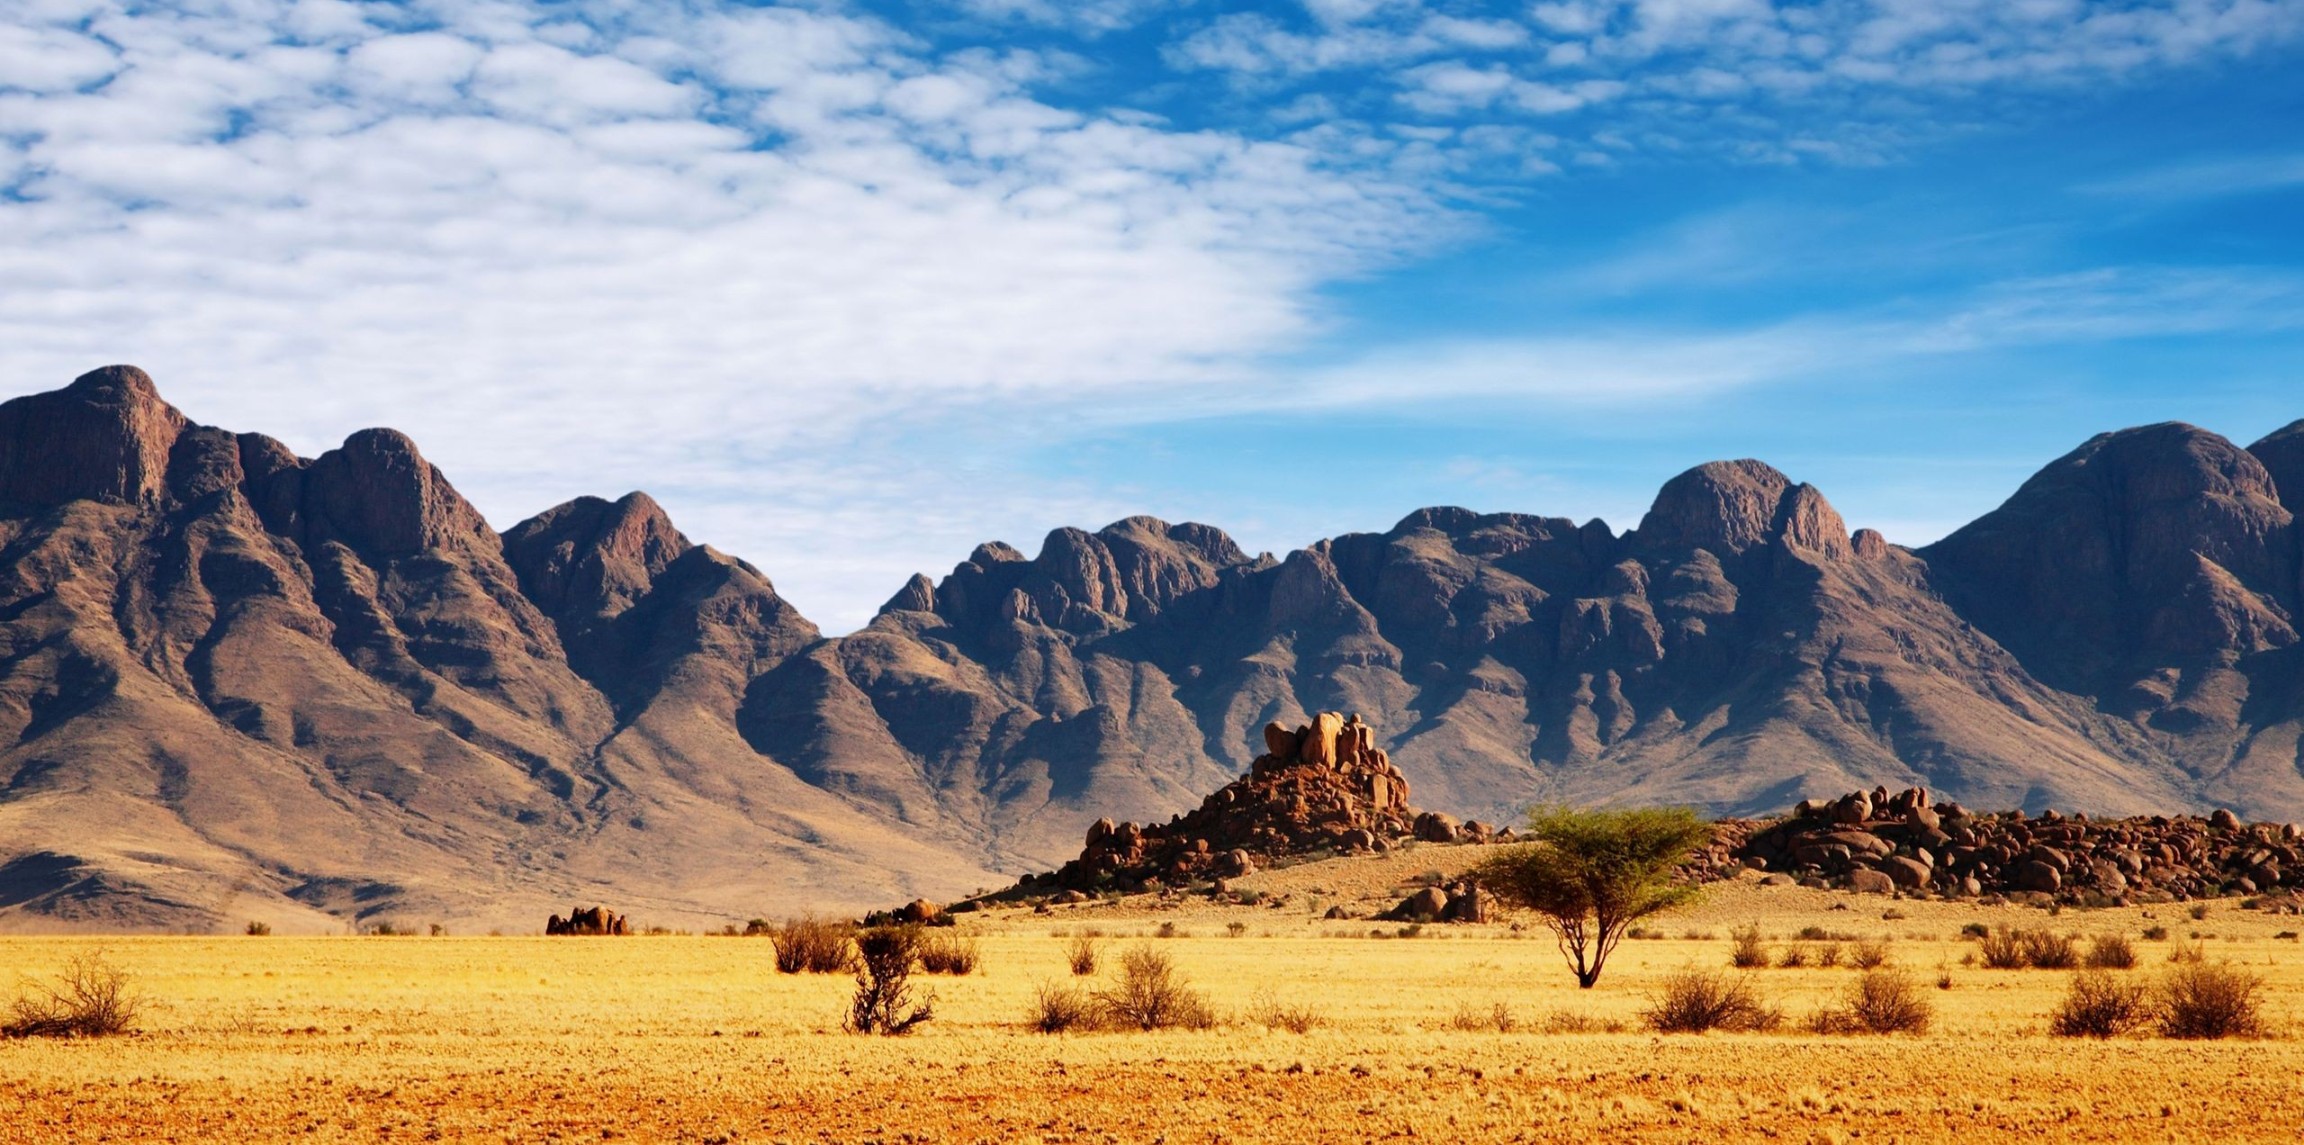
1865 880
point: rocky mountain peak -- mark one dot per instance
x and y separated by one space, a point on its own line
2281 452
377 495
1725 507
593 556
106 437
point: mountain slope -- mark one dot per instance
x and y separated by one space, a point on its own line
236 683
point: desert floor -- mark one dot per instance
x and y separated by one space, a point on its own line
698 1038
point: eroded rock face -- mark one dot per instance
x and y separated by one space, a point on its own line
106 437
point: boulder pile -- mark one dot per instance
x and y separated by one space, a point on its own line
1319 786
1882 843
588 920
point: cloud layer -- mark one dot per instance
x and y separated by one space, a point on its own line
815 274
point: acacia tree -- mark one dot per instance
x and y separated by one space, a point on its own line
1592 874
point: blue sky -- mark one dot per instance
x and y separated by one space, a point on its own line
852 287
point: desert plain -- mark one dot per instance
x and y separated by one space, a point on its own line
1447 1032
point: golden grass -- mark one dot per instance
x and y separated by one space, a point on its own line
699 1039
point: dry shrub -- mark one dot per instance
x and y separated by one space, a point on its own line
1747 953
1881 1002
1570 1022
1150 995
2193 953
90 999
2046 950
885 1002
2004 949
2210 1000
1278 1015
1870 954
1081 953
259 930
1828 955
1793 958
1059 1009
2111 952
2099 1006
1472 1019
811 945
945 952
2155 933
1693 1001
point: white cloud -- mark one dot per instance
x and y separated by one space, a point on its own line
707 253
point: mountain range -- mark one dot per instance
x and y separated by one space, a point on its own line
237 684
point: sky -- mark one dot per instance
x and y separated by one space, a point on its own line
852 287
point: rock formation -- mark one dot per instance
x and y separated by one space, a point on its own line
587 920
1874 841
1322 786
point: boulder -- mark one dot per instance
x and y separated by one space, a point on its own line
1905 872
1427 905
1436 827
2035 875
1865 880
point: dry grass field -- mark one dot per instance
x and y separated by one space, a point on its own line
699 1039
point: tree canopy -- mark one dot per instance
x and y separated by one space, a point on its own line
1591 874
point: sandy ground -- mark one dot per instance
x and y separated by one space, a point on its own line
699 1039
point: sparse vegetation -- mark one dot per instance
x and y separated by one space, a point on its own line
1748 953
1497 1017
1592 874
885 1001
947 952
1793 958
258 929
2205 1000
1880 1002
1870 954
810 945
2155 933
2111 952
1150 995
2100 1005
1061 1009
1692 1001
91 998
2047 950
1296 1018
1081 954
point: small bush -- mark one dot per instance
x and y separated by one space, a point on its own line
1569 1022
1278 1015
1870 954
1812 933
810 945
1828 955
945 952
1892 915
259 929
1881 1002
2045 950
2155 934
1235 928
1793 958
885 1002
1693 1001
1168 930
1747 953
1975 930
2182 953
2099 1006
1472 1019
1150 995
2210 1000
91 999
2005 949
1081 953
1059 1009
2111 952
2199 911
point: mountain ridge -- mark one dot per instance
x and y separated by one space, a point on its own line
237 683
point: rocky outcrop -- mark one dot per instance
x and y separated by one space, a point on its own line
588 921
1909 843
1320 787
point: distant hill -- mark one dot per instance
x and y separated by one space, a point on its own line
239 684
